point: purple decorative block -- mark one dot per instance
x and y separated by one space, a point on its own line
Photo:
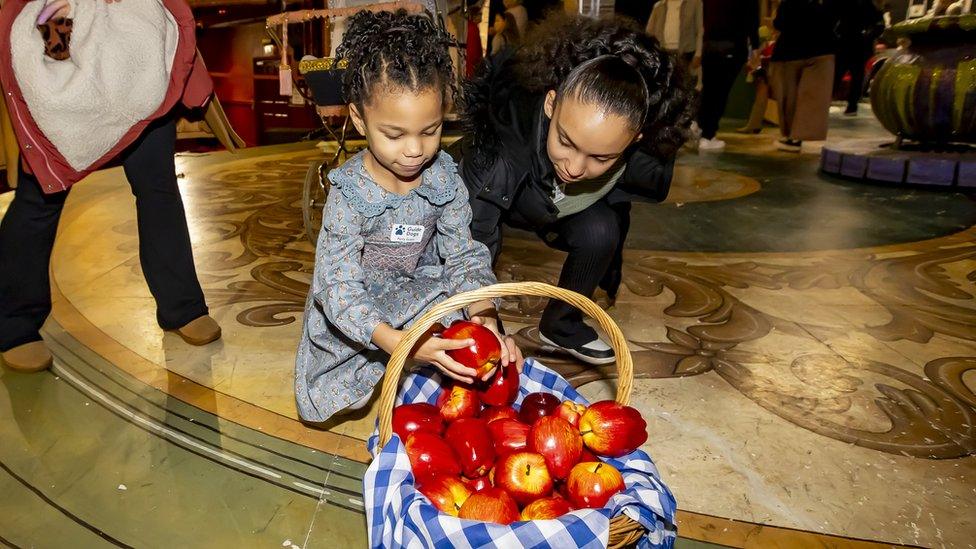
891 170
830 161
931 171
853 166
967 172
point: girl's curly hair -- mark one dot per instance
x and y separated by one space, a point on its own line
612 62
397 50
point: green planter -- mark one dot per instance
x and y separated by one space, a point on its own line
928 92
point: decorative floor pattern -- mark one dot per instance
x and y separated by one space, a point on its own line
818 380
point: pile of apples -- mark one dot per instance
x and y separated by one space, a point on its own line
476 457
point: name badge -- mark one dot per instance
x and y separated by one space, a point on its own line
407 233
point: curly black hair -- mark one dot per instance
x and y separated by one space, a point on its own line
613 62
397 50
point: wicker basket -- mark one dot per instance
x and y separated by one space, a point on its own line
624 531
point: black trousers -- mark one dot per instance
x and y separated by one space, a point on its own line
852 58
719 71
27 237
594 241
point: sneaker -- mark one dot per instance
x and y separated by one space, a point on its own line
595 352
713 144
851 113
789 145
29 357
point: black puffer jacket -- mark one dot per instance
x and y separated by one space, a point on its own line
506 167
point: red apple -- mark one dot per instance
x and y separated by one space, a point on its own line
472 444
509 435
498 412
612 430
421 416
429 454
546 509
477 484
570 411
536 405
557 441
486 352
524 476
490 505
457 401
446 493
592 484
502 388
588 456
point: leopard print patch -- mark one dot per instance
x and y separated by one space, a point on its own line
57 35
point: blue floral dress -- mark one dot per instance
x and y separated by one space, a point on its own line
381 257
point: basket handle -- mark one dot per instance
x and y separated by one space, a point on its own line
391 380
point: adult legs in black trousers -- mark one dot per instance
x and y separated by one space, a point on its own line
594 240
852 58
27 237
719 71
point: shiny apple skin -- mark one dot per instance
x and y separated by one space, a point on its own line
419 416
509 435
484 355
490 505
610 429
502 388
524 476
447 493
429 454
458 402
472 444
536 405
559 442
546 509
592 484
494 413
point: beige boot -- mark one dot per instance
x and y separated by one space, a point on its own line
29 357
201 331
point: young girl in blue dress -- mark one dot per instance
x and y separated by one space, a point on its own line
395 235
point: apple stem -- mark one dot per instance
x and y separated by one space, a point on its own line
598 465
528 469
585 432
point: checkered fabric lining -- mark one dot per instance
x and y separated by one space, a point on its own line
400 516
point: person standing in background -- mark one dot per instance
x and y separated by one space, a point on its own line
679 27
731 29
144 139
520 14
802 69
759 74
506 33
860 24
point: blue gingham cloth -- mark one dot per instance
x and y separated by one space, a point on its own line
397 515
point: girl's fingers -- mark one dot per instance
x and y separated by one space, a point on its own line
447 362
452 375
452 344
506 353
515 353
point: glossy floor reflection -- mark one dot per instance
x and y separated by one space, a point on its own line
805 348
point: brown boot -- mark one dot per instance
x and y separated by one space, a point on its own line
201 331
29 357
